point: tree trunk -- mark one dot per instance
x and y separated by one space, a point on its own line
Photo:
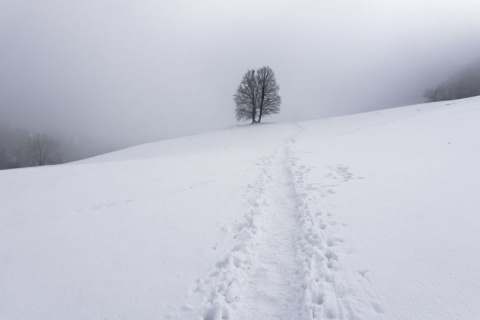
261 103
254 111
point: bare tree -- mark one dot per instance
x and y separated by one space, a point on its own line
43 150
246 97
257 95
268 99
13 146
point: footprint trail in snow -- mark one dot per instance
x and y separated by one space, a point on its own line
273 291
284 263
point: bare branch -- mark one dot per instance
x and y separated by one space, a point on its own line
257 94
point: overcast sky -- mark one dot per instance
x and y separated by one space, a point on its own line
142 70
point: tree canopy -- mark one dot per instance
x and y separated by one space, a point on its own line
257 95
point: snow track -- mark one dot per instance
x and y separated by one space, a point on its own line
273 289
284 262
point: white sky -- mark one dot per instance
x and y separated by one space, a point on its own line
142 70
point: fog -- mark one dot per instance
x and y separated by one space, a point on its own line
126 72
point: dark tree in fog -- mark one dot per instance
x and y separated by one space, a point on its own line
13 145
246 98
43 150
464 84
4 161
268 99
257 95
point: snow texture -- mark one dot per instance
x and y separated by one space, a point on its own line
367 216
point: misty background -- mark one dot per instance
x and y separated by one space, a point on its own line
105 74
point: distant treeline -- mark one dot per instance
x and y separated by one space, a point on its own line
465 84
22 148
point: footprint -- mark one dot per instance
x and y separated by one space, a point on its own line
377 307
363 273
318 298
331 242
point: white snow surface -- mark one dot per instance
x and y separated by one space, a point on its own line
367 216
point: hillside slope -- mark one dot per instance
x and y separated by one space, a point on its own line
368 216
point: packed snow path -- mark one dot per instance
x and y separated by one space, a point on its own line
273 290
283 264
260 277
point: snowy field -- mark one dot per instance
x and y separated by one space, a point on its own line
367 216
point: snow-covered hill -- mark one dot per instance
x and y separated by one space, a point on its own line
368 216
